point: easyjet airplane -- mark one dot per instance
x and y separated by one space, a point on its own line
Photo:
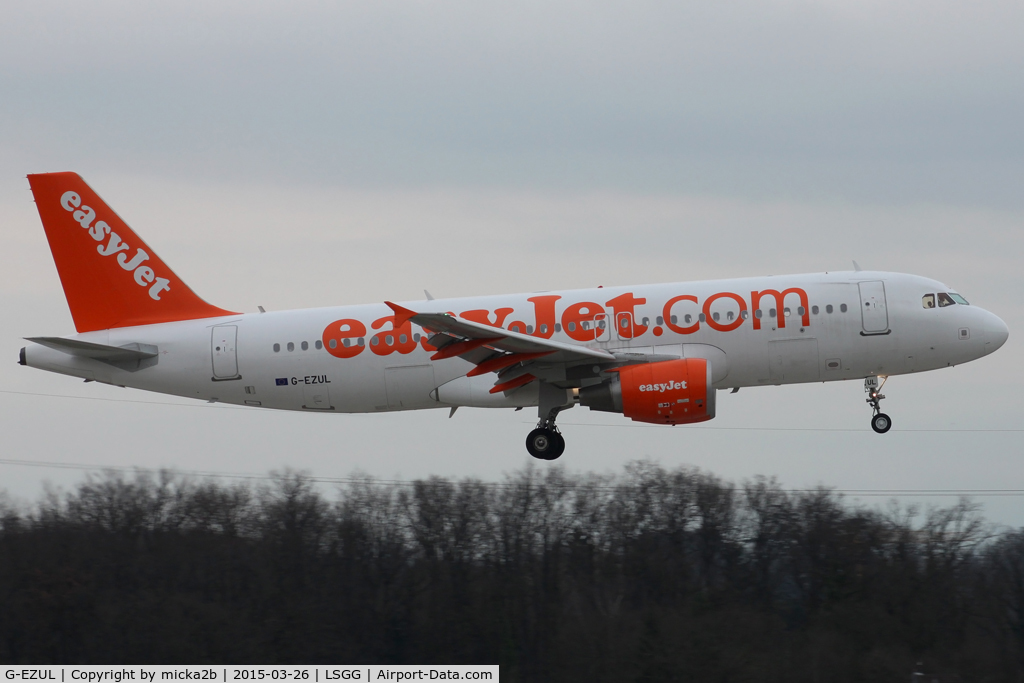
654 353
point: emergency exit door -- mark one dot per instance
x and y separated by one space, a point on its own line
873 311
222 347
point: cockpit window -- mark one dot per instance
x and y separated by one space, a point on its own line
959 299
945 300
928 301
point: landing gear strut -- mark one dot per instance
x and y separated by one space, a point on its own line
880 422
545 442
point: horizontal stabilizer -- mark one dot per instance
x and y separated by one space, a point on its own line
128 357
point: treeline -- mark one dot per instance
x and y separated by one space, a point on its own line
649 575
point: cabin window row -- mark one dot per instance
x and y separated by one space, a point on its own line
302 345
599 324
361 341
730 315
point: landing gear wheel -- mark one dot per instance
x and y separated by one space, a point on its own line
559 447
881 423
545 444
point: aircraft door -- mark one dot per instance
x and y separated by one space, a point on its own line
873 311
624 325
600 325
222 347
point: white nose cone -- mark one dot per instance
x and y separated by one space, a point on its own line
996 333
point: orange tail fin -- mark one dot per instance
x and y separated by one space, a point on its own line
111 277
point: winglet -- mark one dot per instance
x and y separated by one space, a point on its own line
402 315
856 267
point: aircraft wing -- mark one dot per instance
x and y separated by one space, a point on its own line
494 349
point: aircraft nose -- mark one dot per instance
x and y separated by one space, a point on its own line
996 333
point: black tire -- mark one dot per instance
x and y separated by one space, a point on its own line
545 444
881 423
559 448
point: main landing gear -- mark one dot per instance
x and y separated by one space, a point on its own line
880 422
545 442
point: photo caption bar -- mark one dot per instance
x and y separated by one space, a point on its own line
231 674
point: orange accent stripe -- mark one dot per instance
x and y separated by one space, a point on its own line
512 383
459 348
500 362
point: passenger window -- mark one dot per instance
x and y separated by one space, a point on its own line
334 343
828 309
728 316
543 329
959 299
402 338
277 348
771 312
624 323
758 313
744 314
645 322
361 342
842 308
675 319
701 317
558 327
416 337
800 310
928 301
814 310
572 327
529 329
346 342
945 300
374 341
291 346
319 345
687 318
389 340
660 320
305 346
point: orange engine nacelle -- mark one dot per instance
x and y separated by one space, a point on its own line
667 392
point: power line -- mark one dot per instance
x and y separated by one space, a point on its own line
223 406
780 429
374 481
205 404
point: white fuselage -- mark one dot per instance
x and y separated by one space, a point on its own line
829 326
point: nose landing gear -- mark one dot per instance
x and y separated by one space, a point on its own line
880 422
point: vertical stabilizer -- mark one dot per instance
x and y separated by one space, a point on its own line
111 277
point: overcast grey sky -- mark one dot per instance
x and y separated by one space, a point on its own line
311 154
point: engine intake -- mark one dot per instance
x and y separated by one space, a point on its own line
668 392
